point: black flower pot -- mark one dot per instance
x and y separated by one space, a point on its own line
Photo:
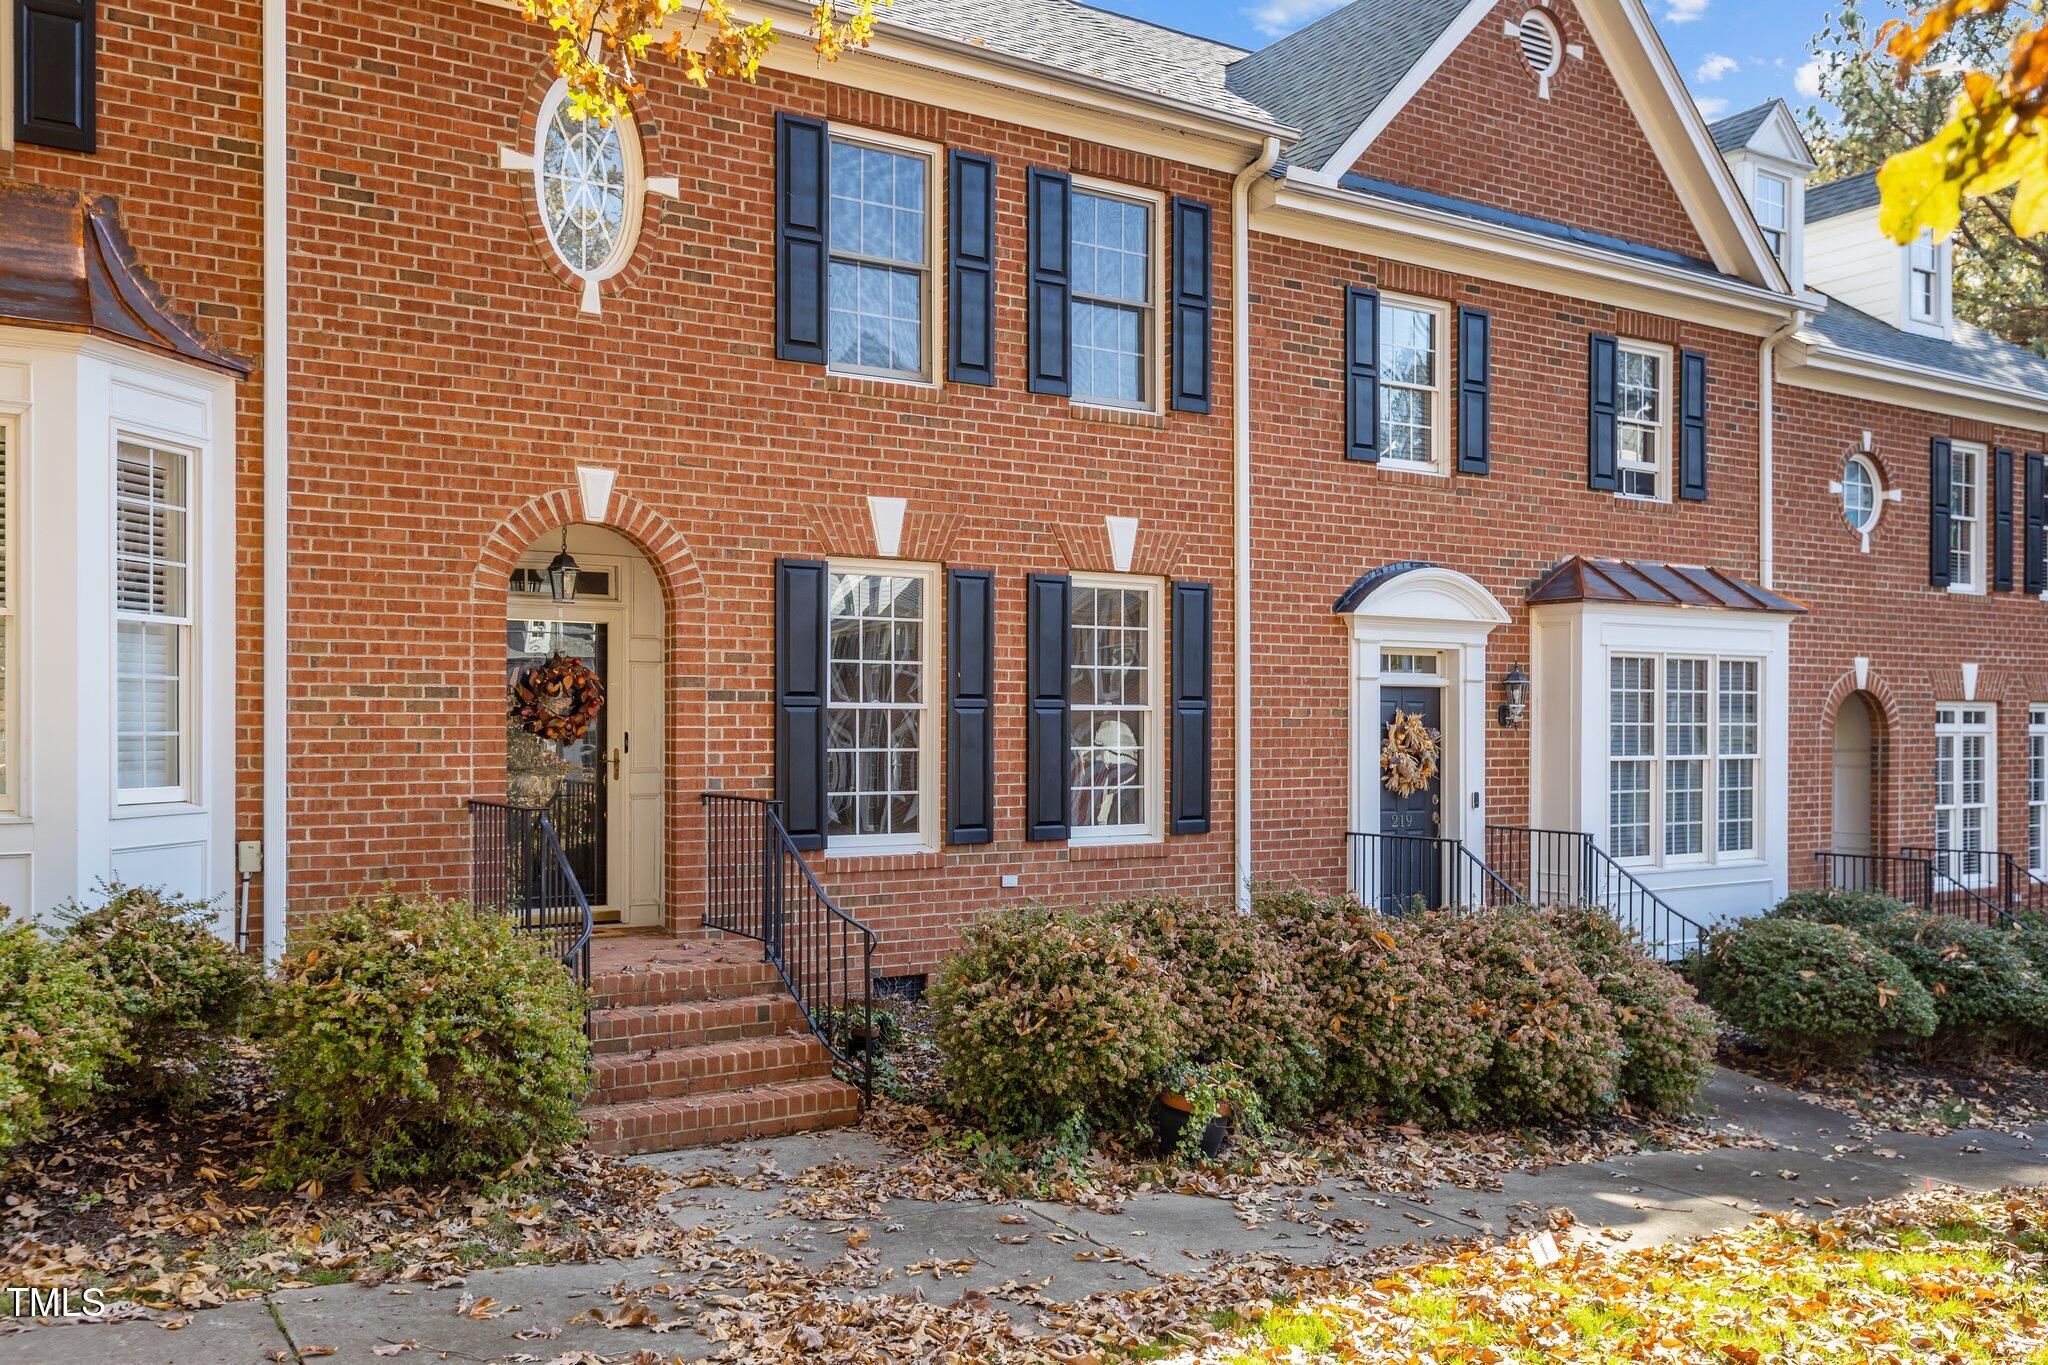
1170 1116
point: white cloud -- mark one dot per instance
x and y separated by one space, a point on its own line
1807 79
1715 67
1276 17
1685 11
1712 108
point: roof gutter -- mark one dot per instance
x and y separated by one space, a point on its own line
2025 404
1241 513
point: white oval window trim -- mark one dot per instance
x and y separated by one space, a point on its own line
603 181
1542 47
1872 485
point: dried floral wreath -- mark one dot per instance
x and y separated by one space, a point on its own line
557 700
1409 758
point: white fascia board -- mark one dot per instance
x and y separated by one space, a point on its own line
1412 81
1854 374
1306 210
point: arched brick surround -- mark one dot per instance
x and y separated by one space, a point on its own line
1883 705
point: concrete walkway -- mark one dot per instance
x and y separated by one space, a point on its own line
1816 1164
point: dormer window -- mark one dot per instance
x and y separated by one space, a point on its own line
1923 281
1773 210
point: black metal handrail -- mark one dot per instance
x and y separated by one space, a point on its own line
1566 867
1899 876
1399 873
1958 883
757 885
517 868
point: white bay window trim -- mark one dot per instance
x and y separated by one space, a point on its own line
153 515
858 673
10 647
1683 748
1152 313
1432 394
1105 713
931 309
2037 791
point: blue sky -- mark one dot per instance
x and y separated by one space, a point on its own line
1734 53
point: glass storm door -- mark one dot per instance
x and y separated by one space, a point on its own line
576 772
1411 869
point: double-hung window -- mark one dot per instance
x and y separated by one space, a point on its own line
1923 279
1966 518
880 760
880 298
9 650
1683 744
1963 785
2037 791
1773 210
153 621
1115 314
1411 383
1642 424
1114 752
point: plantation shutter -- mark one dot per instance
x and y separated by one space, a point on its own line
802 207
1361 374
802 607
1602 410
971 269
1050 238
1475 390
970 706
1048 602
1192 281
2001 521
1193 710
1939 472
56 73
2037 525
1692 426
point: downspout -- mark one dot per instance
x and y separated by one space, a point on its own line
1766 428
276 476
1241 531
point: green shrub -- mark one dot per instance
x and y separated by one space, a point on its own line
1049 1019
1984 987
418 1039
1667 1036
180 991
1849 909
59 1034
1556 1046
1811 992
1399 1032
1237 996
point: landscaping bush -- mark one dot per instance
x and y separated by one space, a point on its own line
1399 1031
1849 909
59 1034
1237 996
1984 988
418 1039
1811 992
1667 1036
1556 1046
179 990
1051 1018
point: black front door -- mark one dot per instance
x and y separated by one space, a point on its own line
573 774
1411 862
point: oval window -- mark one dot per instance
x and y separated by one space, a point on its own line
1859 494
589 185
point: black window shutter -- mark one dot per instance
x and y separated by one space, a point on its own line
2036 570
1475 390
803 201
56 73
1193 710
1939 472
1361 374
1602 407
1050 236
1048 601
971 269
1192 283
1692 426
2001 521
970 706
802 598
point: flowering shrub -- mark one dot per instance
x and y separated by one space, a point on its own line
180 991
418 1039
59 1034
1667 1036
1983 985
1049 1019
1812 992
1557 1049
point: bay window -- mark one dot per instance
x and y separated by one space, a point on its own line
1115 692
1964 761
8 651
1684 742
880 746
153 621
2037 791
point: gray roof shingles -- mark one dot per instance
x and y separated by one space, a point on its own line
1838 197
1733 133
1971 353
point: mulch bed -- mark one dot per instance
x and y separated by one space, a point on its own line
1902 1093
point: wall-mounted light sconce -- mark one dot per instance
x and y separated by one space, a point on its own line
1515 709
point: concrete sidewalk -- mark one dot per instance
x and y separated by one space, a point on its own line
1067 1253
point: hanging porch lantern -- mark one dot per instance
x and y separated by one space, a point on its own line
562 573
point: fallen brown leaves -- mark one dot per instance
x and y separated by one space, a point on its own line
1899 1094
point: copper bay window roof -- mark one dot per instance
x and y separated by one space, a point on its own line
1642 582
68 266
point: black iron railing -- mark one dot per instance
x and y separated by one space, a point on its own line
757 885
577 813
1896 875
1978 884
1565 867
1400 873
517 868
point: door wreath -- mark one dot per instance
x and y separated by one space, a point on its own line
1409 757
557 700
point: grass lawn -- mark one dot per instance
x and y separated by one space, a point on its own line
1930 1277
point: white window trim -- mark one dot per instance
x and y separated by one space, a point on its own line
2037 786
1666 362
1783 251
1155 327
1980 459
930 806
1957 729
1153 829
1878 496
932 325
11 747
635 195
1711 853
1439 407
186 791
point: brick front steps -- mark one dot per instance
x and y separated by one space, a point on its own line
697 1041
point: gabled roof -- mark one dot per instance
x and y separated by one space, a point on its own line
1732 134
1971 352
1647 583
1838 197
